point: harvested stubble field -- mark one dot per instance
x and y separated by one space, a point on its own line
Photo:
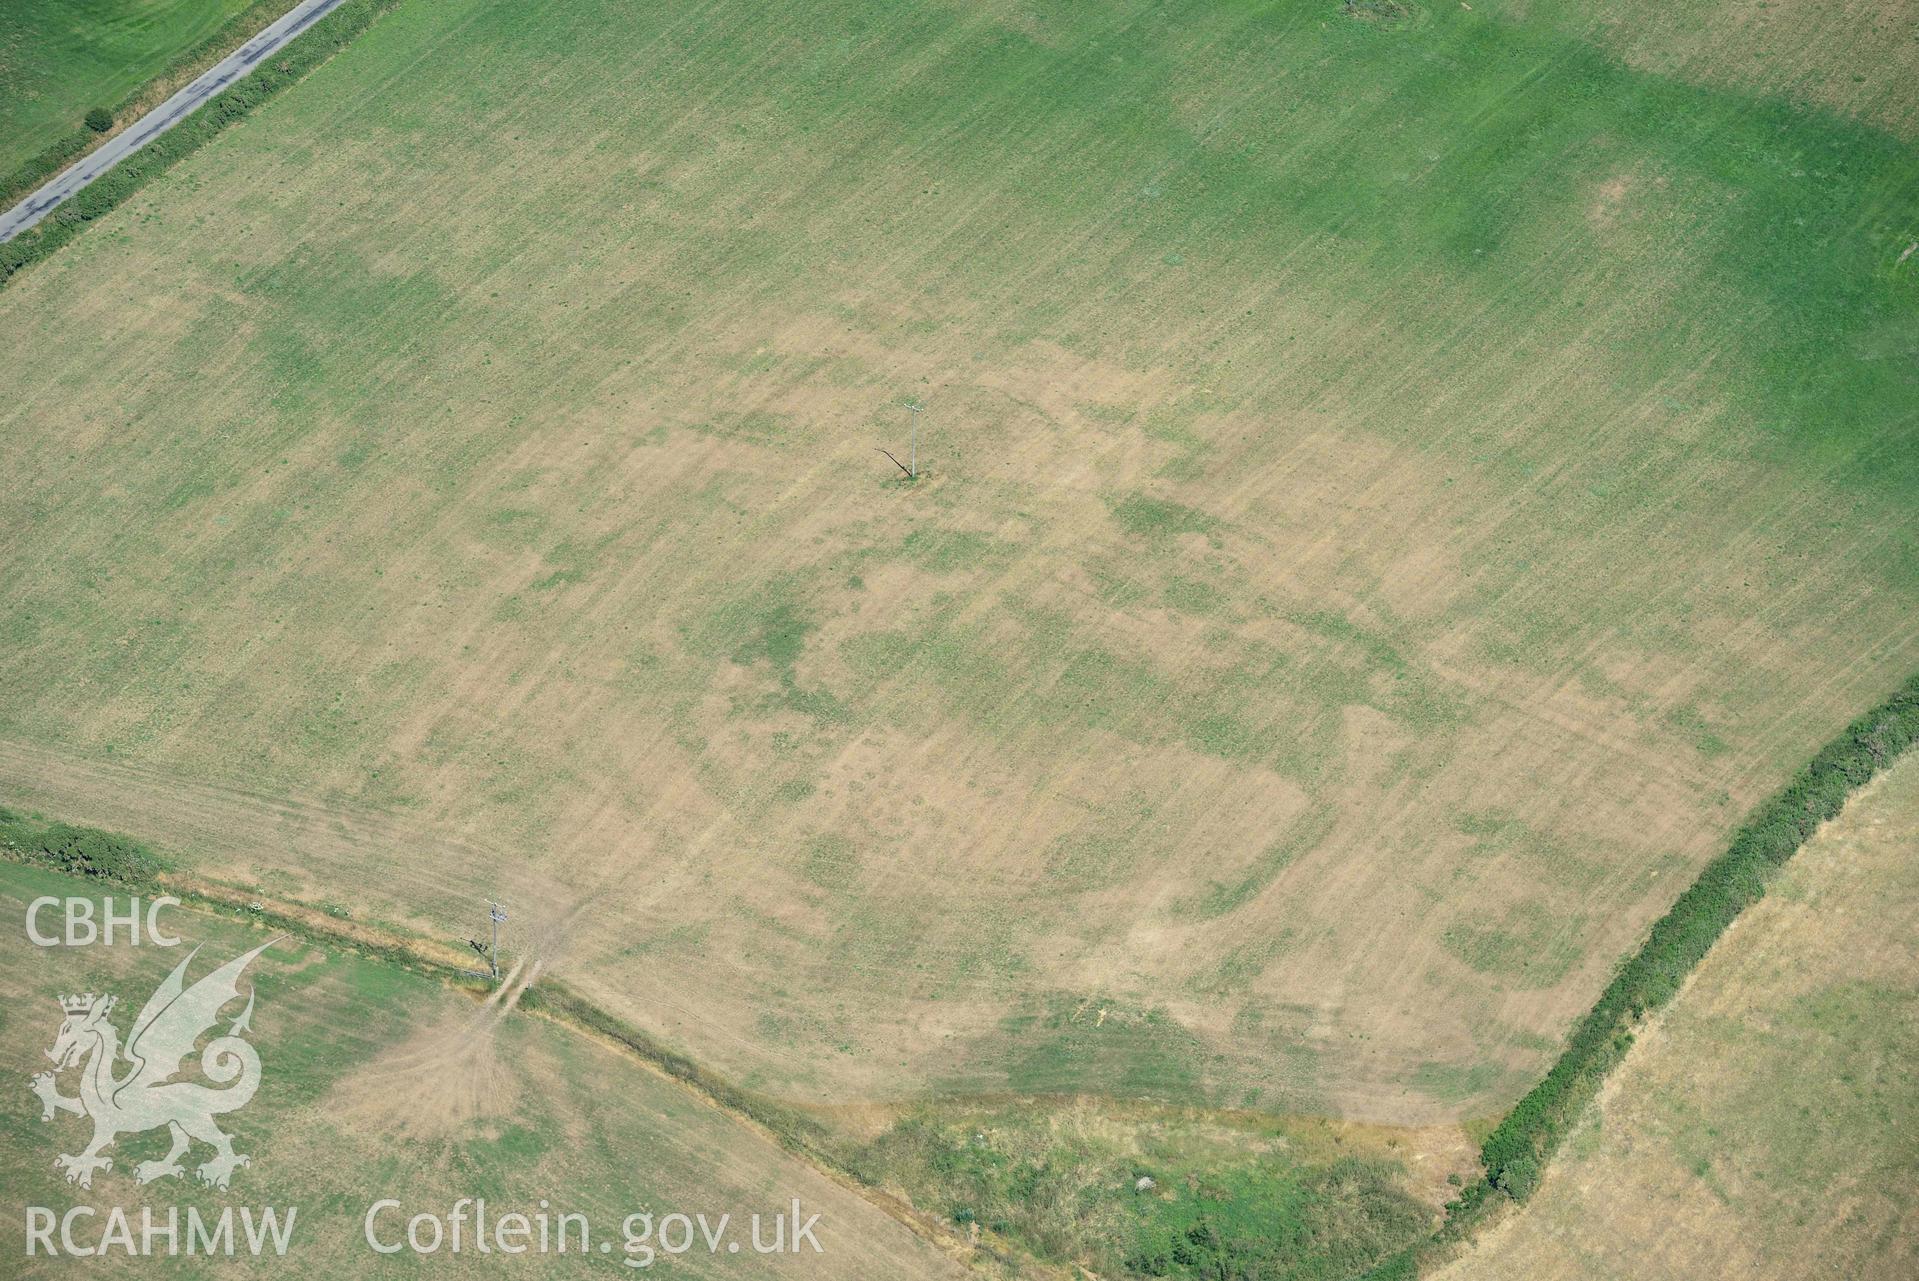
1395 493
1764 1126
378 1083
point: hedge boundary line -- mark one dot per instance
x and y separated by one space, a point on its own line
301 55
85 852
1515 1153
32 173
116 861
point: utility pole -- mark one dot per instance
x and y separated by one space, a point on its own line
495 914
911 468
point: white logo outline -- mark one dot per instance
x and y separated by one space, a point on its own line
146 1096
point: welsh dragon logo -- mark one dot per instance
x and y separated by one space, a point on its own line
130 1089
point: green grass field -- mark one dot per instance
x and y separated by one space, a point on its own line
58 58
1400 482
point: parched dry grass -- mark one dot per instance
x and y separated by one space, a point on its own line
1353 588
1763 1126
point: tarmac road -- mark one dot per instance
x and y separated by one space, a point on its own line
234 67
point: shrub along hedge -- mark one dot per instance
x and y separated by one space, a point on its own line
1516 1152
305 52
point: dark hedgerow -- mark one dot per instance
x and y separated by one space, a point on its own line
1515 1154
99 120
305 52
80 851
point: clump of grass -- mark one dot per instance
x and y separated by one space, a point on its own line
1385 13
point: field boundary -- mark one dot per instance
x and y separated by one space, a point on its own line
113 860
300 56
1515 1154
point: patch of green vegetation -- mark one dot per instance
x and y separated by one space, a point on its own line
1066 1184
1191 595
776 633
683 937
1072 1044
756 425
1117 584
1378 652
1237 970
945 551
1158 518
80 851
515 527
1530 946
490 1163
1261 706
831 862
1089 861
310 308
1543 857
769 627
1106 848
570 561
1222 897
792 791
1688 720
1336 1221
1457 1082
900 939
879 655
